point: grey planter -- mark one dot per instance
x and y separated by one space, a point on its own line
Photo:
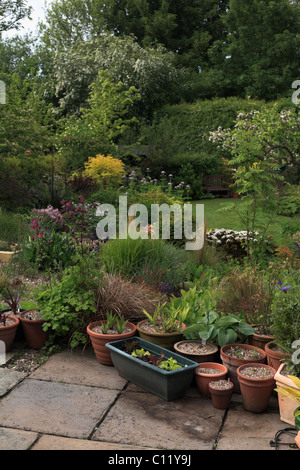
168 385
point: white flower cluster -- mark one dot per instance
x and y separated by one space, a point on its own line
233 242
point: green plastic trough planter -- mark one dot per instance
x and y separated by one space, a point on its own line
168 385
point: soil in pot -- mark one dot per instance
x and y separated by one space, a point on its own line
275 355
256 382
34 333
196 350
8 331
99 339
206 373
165 340
221 391
235 355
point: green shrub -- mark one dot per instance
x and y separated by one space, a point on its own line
69 303
285 315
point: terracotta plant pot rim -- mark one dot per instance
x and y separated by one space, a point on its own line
253 379
40 321
269 350
211 365
197 353
155 334
109 337
238 360
221 390
11 317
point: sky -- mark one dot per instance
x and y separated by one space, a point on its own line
37 14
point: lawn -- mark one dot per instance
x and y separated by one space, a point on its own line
218 218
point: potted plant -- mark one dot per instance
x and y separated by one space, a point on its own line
11 297
256 384
32 323
151 367
235 355
220 391
197 350
219 329
206 373
7 250
165 326
101 332
8 329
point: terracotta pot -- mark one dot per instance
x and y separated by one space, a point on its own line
260 341
232 363
205 357
220 397
8 333
256 392
274 358
99 341
35 336
165 340
202 379
287 405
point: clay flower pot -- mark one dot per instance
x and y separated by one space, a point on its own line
35 336
99 341
256 390
196 350
8 332
260 340
203 378
165 340
274 358
232 363
221 391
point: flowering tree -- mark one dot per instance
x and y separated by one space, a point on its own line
261 144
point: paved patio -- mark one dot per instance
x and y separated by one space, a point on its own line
72 402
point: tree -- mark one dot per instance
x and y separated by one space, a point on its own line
12 12
107 116
185 28
260 57
150 70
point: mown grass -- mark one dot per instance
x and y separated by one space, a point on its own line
218 218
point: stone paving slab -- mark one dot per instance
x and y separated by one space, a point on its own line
79 367
47 442
55 408
8 379
146 420
249 431
14 439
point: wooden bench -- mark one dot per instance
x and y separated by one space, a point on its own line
216 184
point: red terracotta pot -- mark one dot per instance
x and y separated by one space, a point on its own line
220 397
274 358
259 340
256 392
202 379
35 336
99 341
8 333
232 363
